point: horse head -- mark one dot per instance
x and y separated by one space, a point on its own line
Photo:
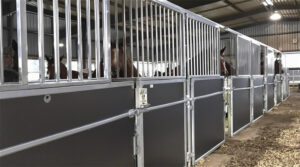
51 68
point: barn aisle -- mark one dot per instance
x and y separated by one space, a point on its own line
273 140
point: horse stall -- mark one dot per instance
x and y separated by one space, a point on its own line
285 79
67 120
238 83
148 39
205 87
270 79
257 82
278 79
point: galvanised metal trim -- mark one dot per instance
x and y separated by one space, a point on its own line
58 90
50 84
242 128
259 86
257 119
22 41
207 96
210 151
237 89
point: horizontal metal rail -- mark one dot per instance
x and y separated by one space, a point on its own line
259 86
237 89
208 95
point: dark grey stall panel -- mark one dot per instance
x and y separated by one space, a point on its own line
209 124
164 128
164 137
257 81
208 86
278 92
25 119
258 108
243 82
165 93
270 79
270 96
108 146
241 109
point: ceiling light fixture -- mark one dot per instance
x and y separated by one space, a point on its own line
265 3
61 45
269 2
275 16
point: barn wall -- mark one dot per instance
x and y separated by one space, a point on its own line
284 36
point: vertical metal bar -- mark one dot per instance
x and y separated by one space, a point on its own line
194 50
131 36
169 42
161 42
202 49
173 41
188 45
106 38
97 39
40 40
79 41
176 39
165 39
213 50
210 50
156 38
142 38
197 48
124 39
56 39
152 37
218 53
147 38
68 38
137 34
182 51
205 49
117 37
1 47
89 39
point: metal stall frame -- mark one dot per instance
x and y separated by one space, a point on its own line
231 89
58 82
253 87
157 17
139 117
192 116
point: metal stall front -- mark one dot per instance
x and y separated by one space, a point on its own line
278 78
238 83
70 114
270 79
147 39
205 87
257 82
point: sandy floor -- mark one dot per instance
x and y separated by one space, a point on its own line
274 140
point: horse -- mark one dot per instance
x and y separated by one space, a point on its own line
63 69
121 63
114 65
224 66
10 63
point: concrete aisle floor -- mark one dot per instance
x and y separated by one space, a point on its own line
274 140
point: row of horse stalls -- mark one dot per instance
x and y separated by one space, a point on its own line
250 86
124 83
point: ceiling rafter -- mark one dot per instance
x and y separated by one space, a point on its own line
252 12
